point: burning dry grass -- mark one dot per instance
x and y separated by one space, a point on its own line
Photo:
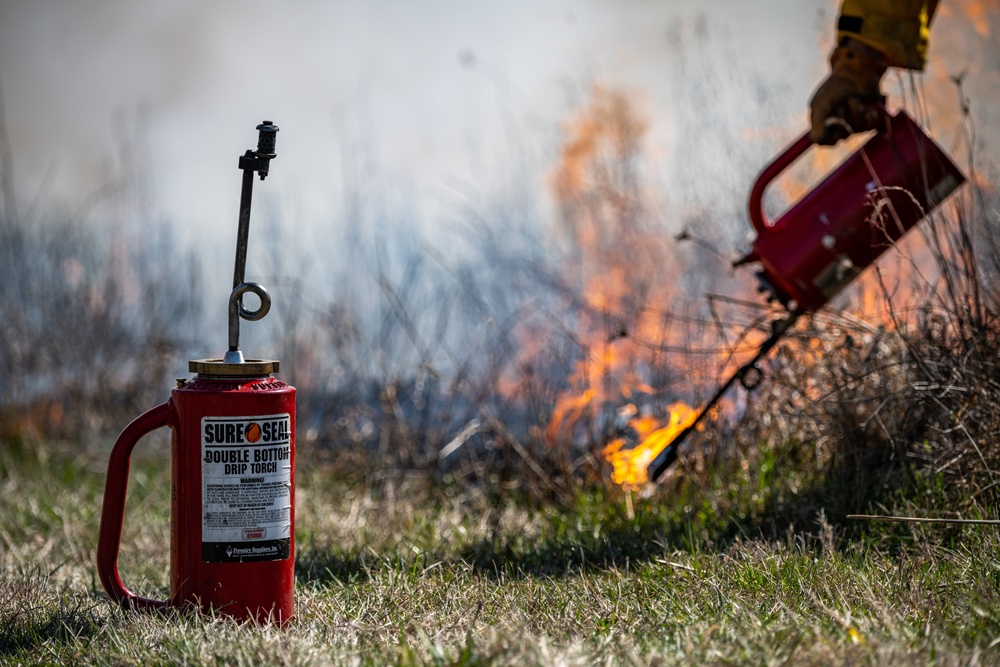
630 465
524 366
582 348
589 348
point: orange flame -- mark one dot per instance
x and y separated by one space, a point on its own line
620 257
630 464
616 254
567 411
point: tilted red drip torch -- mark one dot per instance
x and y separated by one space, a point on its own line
232 467
821 244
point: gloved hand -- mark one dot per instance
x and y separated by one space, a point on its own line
846 96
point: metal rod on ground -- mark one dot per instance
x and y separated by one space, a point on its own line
665 458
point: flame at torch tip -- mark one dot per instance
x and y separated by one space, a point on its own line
630 464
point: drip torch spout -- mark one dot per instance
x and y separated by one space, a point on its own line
250 162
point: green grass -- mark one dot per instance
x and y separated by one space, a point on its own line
404 569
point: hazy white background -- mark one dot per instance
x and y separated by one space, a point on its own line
429 90
420 104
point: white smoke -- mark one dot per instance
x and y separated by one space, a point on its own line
390 111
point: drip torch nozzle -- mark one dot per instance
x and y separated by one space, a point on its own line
260 159
267 134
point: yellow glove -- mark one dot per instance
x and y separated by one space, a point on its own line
842 104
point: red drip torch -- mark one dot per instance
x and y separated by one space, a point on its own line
823 242
817 247
232 452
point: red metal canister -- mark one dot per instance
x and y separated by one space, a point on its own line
819 245
232 540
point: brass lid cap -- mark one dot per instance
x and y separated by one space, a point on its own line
248 368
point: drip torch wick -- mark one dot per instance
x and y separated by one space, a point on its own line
258 161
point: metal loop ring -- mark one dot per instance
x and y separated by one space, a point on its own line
237 310
256 288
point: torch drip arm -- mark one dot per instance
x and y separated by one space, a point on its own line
668 455
250 162
243 230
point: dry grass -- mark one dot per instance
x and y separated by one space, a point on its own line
409 570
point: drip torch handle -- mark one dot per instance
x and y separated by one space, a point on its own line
879 120
760 221
113 510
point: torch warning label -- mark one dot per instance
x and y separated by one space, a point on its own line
246 478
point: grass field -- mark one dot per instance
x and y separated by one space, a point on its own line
405 569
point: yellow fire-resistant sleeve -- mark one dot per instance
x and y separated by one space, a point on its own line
897 28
